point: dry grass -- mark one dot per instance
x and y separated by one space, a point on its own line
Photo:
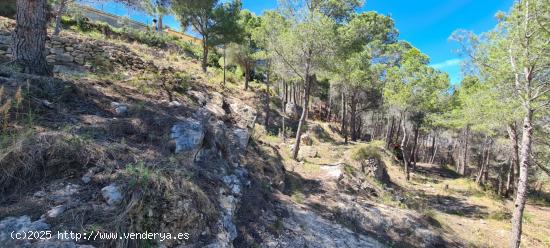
162 199
492 229
45 156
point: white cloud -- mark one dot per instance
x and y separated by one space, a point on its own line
447 63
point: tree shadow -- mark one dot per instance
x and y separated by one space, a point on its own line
436 170
456 206
267 175
539 198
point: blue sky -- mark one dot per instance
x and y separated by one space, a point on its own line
427 24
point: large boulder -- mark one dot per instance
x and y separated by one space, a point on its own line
119 108
375 168
112 195
230 141
198 96
241 137
293 111
244 115
22 224
215 106
188 135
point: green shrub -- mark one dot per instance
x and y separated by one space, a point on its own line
501 214
140 174
189 47
148 37
365 152
348 169
377 143
68 21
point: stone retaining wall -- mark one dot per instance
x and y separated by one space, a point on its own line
70 50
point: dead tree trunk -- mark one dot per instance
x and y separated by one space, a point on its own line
30 36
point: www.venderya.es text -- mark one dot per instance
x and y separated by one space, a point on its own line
97 235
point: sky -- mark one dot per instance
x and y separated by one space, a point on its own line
426 24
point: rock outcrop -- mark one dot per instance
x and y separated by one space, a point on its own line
188 135
112 195
375 168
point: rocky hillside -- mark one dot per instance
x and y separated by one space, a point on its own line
129 138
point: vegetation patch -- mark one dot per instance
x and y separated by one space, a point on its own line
36 157
364 152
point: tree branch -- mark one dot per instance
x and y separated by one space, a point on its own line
288 63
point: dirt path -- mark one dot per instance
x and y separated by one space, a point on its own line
316 189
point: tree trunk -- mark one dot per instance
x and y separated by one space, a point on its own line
159 24
482 176
433 148
329 111
285 85
266 121
353 113
414 149
283 110
432 160
224 64
246 75
359 131
501 171
462 169
455 153
525 160
343 120
398 127
514 166
295 94
58 15
403 147
303 117
389 135
30 36
509 179
204 62
301 123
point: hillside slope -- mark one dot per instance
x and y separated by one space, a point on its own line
130 138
